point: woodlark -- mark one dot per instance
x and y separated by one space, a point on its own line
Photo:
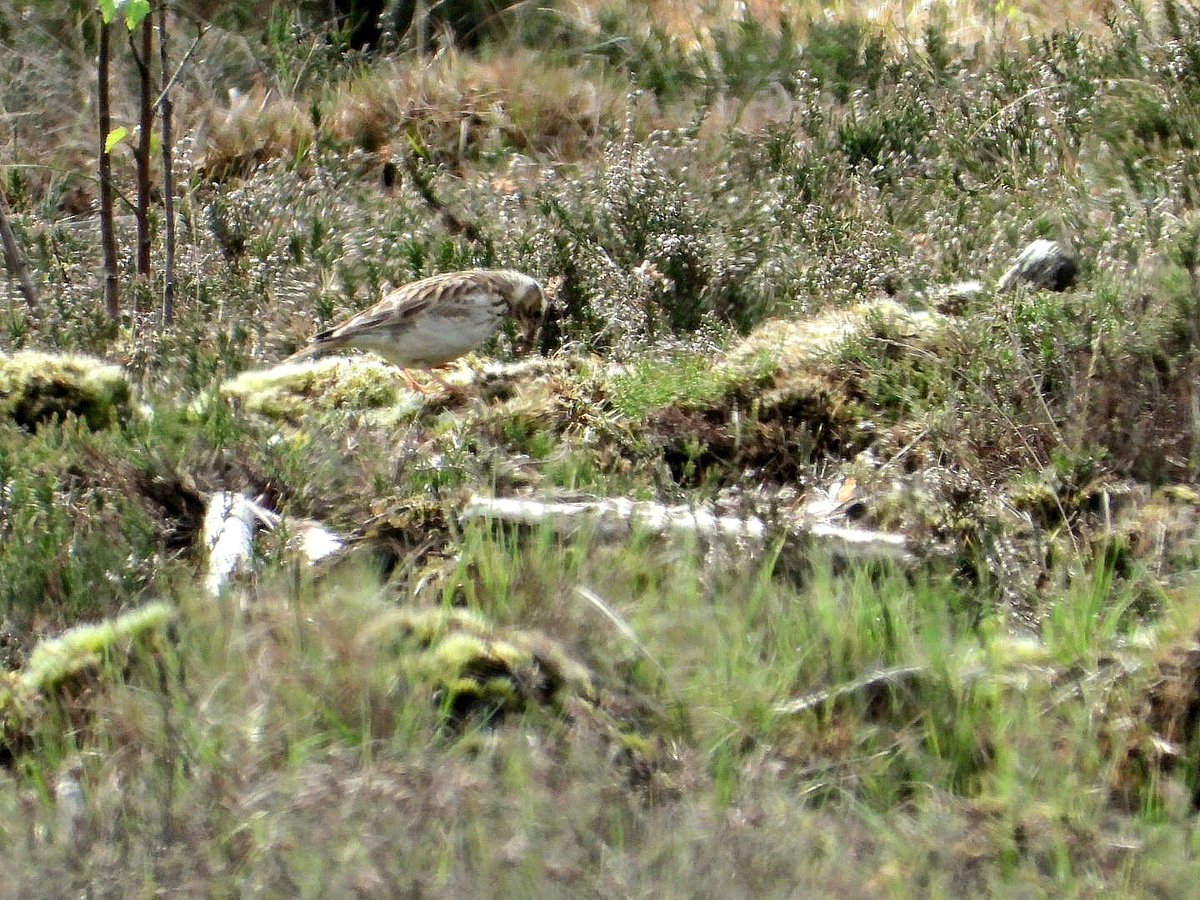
435 320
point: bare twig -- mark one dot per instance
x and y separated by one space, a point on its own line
14 256
108 239
424 186
165 111
898 676
169 83
141 152
622 626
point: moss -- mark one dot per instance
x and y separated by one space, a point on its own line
428 626
459 653
801 359
1031 494
463 696
773 402
800 343
472 674
686 380
637 744
78 651
1181 493
38 387
472 667
289 392
86 647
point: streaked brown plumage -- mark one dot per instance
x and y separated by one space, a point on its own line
435 320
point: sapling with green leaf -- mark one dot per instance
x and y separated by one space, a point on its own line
141 48
131 12
108 140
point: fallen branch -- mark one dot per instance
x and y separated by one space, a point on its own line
230 524
613 518
857 543
618 517
900 676
93 650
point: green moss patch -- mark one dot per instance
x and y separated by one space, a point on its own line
475 669
83 652
680 380
291 391
38 387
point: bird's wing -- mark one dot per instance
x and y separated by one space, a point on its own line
447 293
397 308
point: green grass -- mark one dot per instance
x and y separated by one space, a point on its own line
303 723
682 379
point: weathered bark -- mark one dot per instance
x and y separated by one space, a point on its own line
108 238
617 517
229 527
14 257
168 308
230 524
141 154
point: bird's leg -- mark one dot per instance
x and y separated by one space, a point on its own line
413 383
454 392
419 388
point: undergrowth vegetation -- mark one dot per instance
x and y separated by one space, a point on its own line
750 220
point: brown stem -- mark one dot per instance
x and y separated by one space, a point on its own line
108 239
14 257
455 224
141 153
168 171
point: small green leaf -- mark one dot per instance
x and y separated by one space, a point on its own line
414 142
115 137
135 11
108 9
155 143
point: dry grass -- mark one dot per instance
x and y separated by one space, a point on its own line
966 22
517 101
253 128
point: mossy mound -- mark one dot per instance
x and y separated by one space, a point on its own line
289 392
83 652
790 354
774 402
38 387
476 670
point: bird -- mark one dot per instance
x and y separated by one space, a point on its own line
431 322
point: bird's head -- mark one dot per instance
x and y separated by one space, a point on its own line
527 303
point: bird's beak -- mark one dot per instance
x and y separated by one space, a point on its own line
529 329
